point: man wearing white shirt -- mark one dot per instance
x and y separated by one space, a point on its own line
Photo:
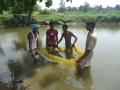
33 41
84 61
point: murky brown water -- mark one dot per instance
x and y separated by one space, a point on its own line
104 73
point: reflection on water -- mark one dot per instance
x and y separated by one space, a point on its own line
49 78
1 51
15 69
103 75
85 78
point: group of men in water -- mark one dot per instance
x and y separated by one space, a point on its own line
52 42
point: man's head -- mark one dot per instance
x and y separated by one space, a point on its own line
90 25
51 24
65 27
35 27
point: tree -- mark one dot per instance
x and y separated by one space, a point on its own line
62 6
81 8
4 5
86 7
20 6
98 8
69 9
74 9
117 7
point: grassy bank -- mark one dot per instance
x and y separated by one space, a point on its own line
5 17
113 17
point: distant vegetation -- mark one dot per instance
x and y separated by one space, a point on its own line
80 16
87 8
67 14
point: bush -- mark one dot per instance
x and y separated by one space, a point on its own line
45 12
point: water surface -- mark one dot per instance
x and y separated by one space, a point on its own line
103 75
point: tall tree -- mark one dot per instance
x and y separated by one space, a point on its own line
62 6
4 5
86 7
23 5
117 7
98 8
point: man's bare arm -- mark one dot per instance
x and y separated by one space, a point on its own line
86 53
75 38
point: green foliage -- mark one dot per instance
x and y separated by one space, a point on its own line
4 5
45 12
87 8
5 17
46 15
19 6
82 13
48 3
80 16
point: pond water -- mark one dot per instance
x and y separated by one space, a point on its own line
104 73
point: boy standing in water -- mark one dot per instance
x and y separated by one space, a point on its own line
33 41
84 61
68 36
51 37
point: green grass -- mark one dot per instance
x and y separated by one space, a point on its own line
5 16
113 17
80 16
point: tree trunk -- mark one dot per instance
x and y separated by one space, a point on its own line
29 16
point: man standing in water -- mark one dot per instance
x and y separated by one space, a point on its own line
51 37
68 36
84 61
33 41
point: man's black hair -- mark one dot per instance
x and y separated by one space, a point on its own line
65 25
51 23
92 23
